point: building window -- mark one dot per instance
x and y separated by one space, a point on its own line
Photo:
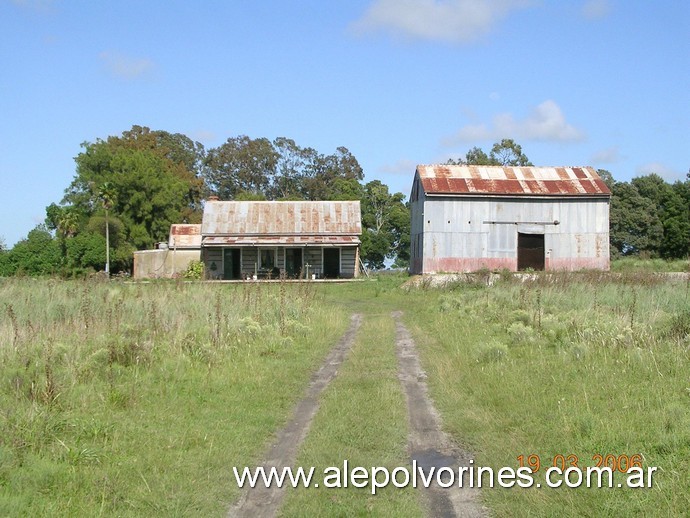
267 258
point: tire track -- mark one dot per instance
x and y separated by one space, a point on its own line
427 443
265 502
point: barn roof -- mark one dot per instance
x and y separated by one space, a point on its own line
511 181
275 220
185 235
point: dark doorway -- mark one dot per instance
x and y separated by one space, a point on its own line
293 262
530 252
232 263
331 263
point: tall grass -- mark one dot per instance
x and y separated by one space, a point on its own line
137 399
568 364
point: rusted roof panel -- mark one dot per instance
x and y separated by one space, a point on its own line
511 181
266 240
287 218
185 236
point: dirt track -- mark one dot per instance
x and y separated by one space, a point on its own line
427 442
265 502
428 445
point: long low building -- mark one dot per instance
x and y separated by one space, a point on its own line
266 239
467 218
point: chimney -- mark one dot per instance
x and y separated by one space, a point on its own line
212 198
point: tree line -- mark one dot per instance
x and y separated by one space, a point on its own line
130 188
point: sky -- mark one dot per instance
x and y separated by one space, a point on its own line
604 83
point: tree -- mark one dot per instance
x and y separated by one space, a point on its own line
386 226
38 254
150 191
671 209
508 153
635 227
241 164
106 193
504 153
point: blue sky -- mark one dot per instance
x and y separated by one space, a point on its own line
604 83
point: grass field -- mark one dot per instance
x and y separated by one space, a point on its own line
136 399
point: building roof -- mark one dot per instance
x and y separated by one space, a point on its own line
511 181
281 219
292 241
185 235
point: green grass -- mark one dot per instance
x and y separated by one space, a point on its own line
137 400
633 264
579 365
362 419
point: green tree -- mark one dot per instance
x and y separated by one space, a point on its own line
150 192
241 164
106 193
635 227
386 226
670 207
507 152
38 254
323 172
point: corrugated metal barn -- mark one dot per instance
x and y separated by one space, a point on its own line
465 218
240 239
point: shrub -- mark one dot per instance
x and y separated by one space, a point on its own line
195 270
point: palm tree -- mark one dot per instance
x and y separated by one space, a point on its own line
107 196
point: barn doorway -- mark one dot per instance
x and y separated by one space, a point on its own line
232 263
530 252
331 263
293 262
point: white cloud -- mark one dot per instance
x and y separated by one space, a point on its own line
609 155
455 21
126 67
596 9
667 173
545 122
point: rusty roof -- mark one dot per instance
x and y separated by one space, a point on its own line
511 181
185 235
281 218
280 240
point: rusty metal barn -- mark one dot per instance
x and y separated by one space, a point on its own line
267 239
466 218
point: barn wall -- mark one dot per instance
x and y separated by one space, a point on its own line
155 264
458 235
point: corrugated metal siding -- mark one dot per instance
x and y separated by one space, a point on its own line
185 236
511 181
282 218
469 233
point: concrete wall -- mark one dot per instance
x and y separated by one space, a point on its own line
456 234
154 264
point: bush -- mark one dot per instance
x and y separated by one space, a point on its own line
195 270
